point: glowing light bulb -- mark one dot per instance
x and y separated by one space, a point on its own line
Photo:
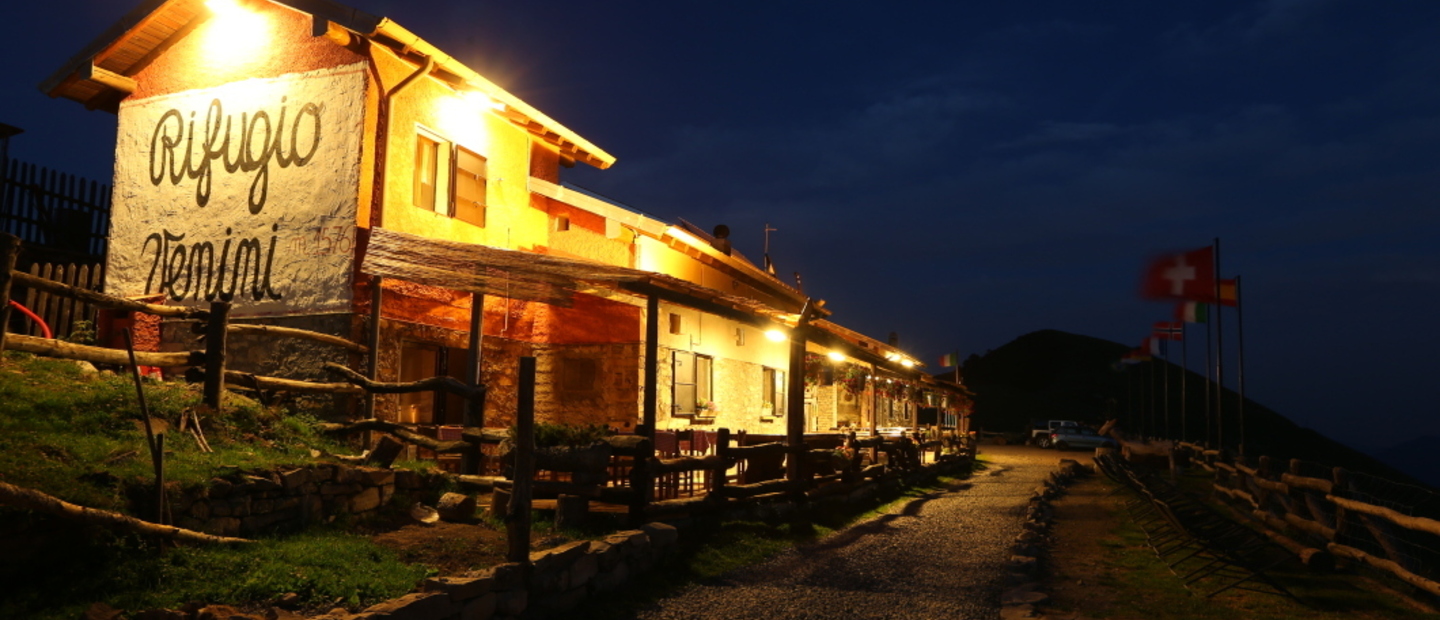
835 356
775 335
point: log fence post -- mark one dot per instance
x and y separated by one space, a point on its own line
9 253
642 481
722 471
215 339
517 521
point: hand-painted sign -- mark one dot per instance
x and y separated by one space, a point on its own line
245 192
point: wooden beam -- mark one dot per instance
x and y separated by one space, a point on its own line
1305 482
106 301
100 355
1420 524
248 381
1408 577
291 332
109 79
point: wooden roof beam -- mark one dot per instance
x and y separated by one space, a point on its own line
109 79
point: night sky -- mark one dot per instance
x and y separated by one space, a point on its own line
965 173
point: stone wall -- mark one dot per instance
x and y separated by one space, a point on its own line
560 580
246 503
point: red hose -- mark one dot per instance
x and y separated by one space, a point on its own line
44 329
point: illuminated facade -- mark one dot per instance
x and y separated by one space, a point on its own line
263 145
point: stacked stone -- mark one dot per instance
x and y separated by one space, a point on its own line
560 580
1023 595
247 503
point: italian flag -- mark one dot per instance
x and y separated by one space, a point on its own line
1193 312
949 359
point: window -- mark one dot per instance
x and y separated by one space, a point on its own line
424 360
691 382
432 172
469 187
739 336
675 324
449 179
772 391
562 223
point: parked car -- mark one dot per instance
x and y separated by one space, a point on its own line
1079 437
1040 430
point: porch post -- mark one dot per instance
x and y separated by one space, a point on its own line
649 413
475 404
795 399
372 369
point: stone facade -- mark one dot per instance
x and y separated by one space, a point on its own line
255 502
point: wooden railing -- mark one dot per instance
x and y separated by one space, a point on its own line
1324 514
211 361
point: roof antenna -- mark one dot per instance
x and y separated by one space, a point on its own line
769 265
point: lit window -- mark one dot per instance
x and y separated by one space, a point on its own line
424 360
469 187
449 179
432 156
691 381
772 391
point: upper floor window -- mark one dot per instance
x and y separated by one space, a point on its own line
449 179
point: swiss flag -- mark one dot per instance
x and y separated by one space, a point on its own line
1190 275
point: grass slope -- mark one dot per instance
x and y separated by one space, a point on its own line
78 435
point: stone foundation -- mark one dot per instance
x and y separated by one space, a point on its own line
254 502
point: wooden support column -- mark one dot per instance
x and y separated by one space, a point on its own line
795 469
216 332
517 521
9 253
475 405
641 480
372 340
722 450
649 413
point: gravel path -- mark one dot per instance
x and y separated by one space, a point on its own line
938 556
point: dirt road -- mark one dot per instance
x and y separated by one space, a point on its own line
939 556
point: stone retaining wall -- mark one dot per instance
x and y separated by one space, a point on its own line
246 503
560 580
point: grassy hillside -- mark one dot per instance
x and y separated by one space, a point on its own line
77 435
1052 374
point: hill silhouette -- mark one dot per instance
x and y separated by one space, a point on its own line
1052 375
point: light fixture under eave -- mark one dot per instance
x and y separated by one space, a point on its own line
237 35
775 335
907 362
836 356
483 100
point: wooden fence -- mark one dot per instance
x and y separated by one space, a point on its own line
61 312
1325 514
64 218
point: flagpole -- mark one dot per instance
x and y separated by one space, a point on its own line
1152 425
1240 362
1209 408
1219 356
1184 370
1165 381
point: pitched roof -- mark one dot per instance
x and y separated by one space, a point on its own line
101 74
